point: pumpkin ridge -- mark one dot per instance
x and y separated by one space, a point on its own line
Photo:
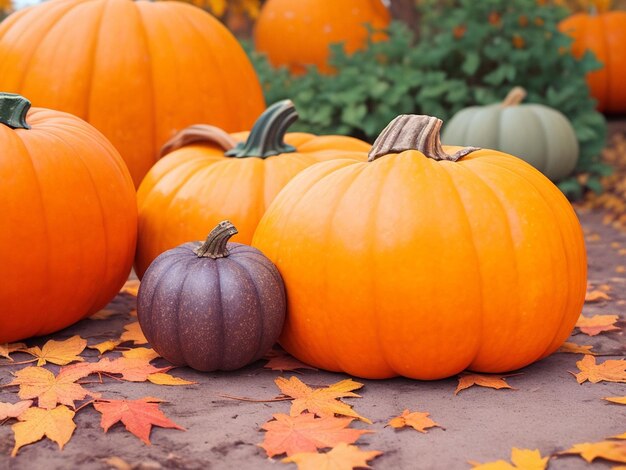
546 138
179 294
93 57
222 336
255 259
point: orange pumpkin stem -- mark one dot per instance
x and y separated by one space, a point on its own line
515 96
216 242
199 134
13 110
414 132
600 6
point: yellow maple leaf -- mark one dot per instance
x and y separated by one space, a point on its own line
596 296
59 352
620 436
417 420
611 370
133 333
13 410
56 424
131 287
8 348
523 459
106 346
597 324
147 354
608 450
320 401
574 348
341 457
618 400
161 378
482 380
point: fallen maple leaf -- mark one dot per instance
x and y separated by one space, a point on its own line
133 370
417 420
282 361
118 463
596 296
133 333
574 348
620 269
137 415
341 457
618 400
13 410
130 287
306 433
56 424
40 383
611 370
320 401
597 324
106 346
59 352
490 381
146 354
103 315
161 378
523 459
8 348
620 436
608 450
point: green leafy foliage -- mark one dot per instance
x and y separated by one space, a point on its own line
468 53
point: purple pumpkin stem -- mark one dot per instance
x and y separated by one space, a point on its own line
215 244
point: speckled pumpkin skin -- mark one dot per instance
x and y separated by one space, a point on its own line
212 314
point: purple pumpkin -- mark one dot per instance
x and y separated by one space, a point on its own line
214 305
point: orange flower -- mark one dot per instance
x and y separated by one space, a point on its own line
539 21
518 41
459 31
494 18
523 21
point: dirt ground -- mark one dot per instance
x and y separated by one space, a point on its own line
547 410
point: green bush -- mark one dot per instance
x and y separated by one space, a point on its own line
468 53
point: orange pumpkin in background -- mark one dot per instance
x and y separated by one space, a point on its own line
603 32
138 71
208 176
69 220
299 33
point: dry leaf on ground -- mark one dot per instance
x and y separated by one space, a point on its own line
618 400
596 296
416 419
40 383
306 433
614 451
13 410
482 380
597 324
130 287
161 378
59 352
56 424
118 463
523 459
106 346
147 354
619 436
133 333
137 415
8 348
103 315
132 370
282 361
611 370
342 457
320 401
574 348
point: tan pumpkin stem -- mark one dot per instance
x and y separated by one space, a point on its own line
215 244
515 96
600 6
414 132
199 134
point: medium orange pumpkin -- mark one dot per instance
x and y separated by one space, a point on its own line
422 264
69 220
299 33
604 33
210 176
138 71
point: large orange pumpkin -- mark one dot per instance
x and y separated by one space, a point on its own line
69 220
604 33
299 33
138 71
426 260
210 176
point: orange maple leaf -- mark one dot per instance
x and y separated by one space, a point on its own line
618 400
417 420
103 315
574 348
597 324
8 348
133 333
13 410
133 370
282 361
306 433
320 401
56 424
40 383
161 378
137 415
596 296
146 354
608 450
341 457
59 352
523 459
130 287
611 370
482 380
106 346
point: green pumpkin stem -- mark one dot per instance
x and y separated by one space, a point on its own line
13 110
514 97
215 243
414 132
199 134
267 135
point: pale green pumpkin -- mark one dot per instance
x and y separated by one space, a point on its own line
540 135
